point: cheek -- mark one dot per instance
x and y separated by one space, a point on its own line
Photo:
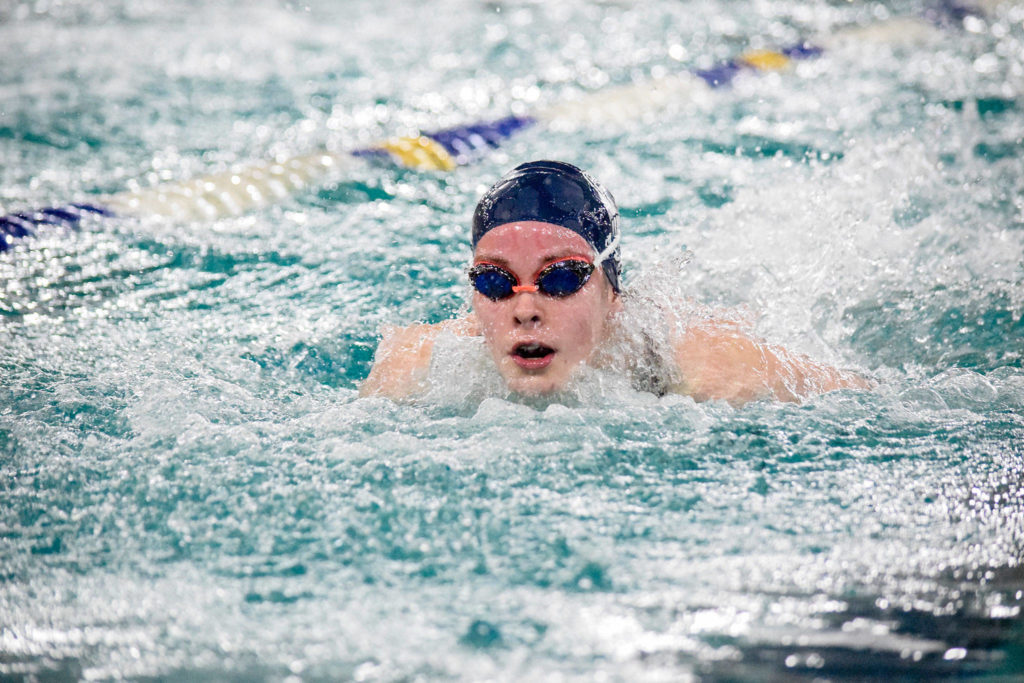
488 314
598 309
585 324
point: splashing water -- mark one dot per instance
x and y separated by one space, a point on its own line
191 488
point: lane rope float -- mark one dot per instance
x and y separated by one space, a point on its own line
246 187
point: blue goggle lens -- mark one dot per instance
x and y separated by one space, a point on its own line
563 279
492 282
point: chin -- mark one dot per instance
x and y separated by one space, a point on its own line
534 385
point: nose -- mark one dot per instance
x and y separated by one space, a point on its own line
526 308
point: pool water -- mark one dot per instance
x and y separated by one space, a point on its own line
191 488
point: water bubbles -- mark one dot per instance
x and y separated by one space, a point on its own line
482 634
986 63
178 415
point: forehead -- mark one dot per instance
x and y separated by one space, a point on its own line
531 239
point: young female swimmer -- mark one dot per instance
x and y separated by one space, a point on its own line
547 299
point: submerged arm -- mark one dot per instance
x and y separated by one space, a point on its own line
720 361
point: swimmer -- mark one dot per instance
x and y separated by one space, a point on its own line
548 300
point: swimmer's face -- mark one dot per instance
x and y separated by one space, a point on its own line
537 340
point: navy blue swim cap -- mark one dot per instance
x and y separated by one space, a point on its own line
561 194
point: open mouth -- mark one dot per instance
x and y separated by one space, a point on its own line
532 356
532 350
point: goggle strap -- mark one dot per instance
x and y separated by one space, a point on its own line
608 251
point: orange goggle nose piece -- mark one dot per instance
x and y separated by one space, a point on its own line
525 288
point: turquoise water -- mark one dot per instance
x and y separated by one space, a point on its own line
190 488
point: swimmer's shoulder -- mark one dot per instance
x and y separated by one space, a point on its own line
716 361
720 360
402 361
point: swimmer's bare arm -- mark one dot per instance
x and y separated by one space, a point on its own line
402 361
719 361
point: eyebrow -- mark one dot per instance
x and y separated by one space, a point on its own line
548 258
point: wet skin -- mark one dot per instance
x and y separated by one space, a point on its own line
536 340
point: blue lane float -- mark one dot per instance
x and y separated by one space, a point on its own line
463 144
467 143
27 224
723 73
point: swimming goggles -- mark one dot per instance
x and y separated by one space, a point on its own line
559 280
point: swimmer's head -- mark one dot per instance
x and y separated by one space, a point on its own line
539 235
560 194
